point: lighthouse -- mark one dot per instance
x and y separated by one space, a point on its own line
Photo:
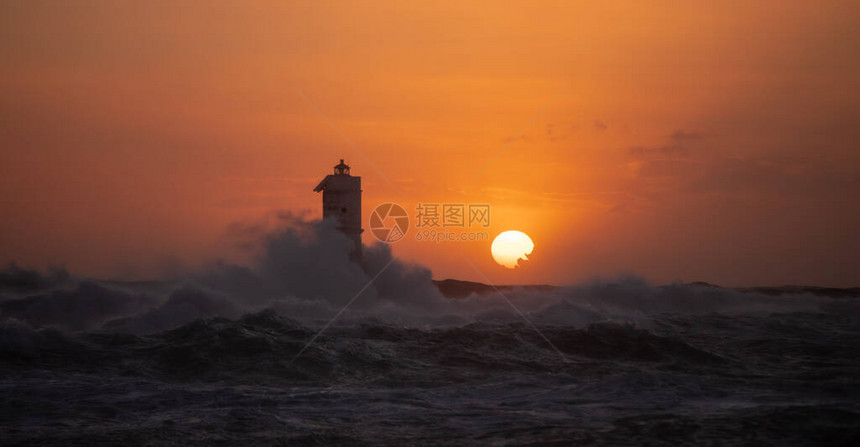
342 202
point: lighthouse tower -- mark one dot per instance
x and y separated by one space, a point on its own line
342 202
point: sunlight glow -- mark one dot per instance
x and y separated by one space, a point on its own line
511 246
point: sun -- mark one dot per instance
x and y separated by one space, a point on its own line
511 246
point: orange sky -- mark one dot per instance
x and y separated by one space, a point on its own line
677 140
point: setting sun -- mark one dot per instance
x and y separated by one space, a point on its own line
511 246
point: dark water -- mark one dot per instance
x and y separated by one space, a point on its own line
764 378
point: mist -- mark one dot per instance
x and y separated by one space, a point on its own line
302 269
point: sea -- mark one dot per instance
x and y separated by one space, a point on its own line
307 347
759 375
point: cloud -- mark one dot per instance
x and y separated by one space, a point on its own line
678 147
561 130
660 151
680 136
775 176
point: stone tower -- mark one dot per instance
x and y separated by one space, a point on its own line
342 202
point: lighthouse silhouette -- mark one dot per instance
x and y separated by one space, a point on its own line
342 202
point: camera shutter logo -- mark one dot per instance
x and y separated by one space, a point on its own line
389 222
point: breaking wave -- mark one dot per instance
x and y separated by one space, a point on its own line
235 354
